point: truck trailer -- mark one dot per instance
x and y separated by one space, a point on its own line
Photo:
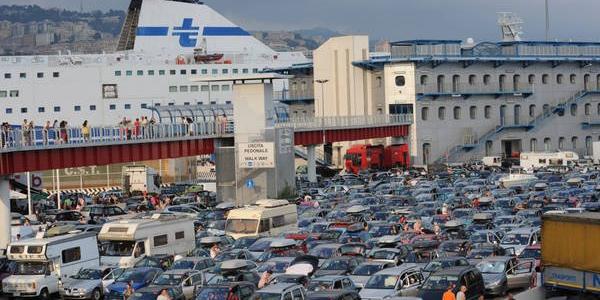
376 157
570 248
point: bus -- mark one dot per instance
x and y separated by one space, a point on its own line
266 218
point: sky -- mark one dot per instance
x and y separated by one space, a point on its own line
394 19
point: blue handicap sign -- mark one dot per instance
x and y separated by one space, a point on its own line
250 183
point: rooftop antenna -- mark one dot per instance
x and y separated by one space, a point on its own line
511 26
547 22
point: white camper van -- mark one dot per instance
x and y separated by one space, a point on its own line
266 217
535 160
141 179
125 242
42 262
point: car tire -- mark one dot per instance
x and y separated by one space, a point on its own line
44 294
96 294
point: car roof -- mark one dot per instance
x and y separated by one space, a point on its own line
278 287
329 277
397 270
524 230
180 272
453 270
329 294
498 258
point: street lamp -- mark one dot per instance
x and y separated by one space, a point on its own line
322 82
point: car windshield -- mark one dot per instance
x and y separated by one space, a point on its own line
382 282
439 282
383 254
316 286
264 296
437 265
260 245
241 226
243 243
168 279
213 293
117 248
491 267
367 270
516 239
30 268
479 237
531 253
183 265
276 267
88 274
335 264
131 275
322 252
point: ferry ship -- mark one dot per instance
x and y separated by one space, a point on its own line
162 46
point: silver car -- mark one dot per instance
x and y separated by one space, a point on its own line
86 284
404 280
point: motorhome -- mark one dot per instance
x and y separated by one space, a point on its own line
42 262
125 242
140 179
536 160
267 217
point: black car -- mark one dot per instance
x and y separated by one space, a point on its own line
438 282
152 292
333 295
232 290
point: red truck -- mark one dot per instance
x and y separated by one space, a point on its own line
378 157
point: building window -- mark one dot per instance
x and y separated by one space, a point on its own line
172 89
215 71
23 110
517 114
473 112
117 73
171 104
214 88
9 110
150 72
456 83
574 109
57 109
235 71
456 113
487 111
255 70
225 71
112 107
588 145
140 72
128 73
172 72
160 240
574 142
92 107
55 74
426 153
442 113
77 108
561 143
573 78
244 71
486 79
193 88
229 102
204 88
532 144
213 102
183 88
424 113
143 105
161 72
182 72
41 109
502 82
179 235
225 87
204 71
440 83
8 75
547 142
559 78
127 106
532 110
186 103
14 93
194 71
587 108
70 255
200 102
424 79
516 82
531 79
157 104
109 91
40 75
472 79
400 80
4 94
545 78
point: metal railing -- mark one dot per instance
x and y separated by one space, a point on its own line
12 139
311 123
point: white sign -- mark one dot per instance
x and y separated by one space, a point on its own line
256 155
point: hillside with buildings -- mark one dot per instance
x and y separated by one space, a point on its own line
27 30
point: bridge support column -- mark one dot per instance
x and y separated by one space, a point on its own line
4 213
311 165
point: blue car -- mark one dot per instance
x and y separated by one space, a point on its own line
138 277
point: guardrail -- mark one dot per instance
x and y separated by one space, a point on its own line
345 122
12 139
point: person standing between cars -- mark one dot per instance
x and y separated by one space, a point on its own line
265 278
164 295
214 251
85 131
449 294
128 291
462 293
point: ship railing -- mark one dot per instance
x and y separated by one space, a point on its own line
17 139
338 122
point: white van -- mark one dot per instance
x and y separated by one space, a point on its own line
267 217
42 262
125 242
535 160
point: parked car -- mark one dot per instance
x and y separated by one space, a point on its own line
138 277
404 280
227 290
504 273
86 284
280 291
438 282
